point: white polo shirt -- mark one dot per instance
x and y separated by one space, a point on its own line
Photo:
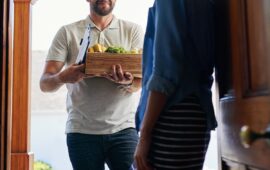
96 105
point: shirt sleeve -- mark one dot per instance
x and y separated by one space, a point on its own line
168 50
59 48
137 38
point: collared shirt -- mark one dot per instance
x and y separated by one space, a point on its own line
178 58
66 43
96 105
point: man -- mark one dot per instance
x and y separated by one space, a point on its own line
100 125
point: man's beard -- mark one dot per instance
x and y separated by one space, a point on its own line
100 11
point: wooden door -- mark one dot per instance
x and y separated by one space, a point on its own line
243 75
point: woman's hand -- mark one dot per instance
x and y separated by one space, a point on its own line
141 153
155 104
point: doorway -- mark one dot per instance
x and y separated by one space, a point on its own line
48 112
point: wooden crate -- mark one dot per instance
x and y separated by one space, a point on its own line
98 63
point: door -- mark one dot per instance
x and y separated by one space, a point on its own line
243 76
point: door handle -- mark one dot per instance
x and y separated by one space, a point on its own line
248 136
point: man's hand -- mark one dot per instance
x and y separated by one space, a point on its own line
53 78
118 76
73 74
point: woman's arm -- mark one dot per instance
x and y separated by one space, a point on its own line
155 105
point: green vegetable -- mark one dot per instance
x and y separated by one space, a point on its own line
115 50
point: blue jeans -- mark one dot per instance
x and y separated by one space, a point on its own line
90 152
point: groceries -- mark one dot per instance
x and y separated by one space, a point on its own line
112 49
100 59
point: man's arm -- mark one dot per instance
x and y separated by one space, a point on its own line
53 78
136 85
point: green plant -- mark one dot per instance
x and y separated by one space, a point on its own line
40 165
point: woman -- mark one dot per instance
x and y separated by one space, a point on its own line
177 78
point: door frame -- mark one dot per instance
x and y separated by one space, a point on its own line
4 119
15 75
21 157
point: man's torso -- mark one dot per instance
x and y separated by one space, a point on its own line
96 105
